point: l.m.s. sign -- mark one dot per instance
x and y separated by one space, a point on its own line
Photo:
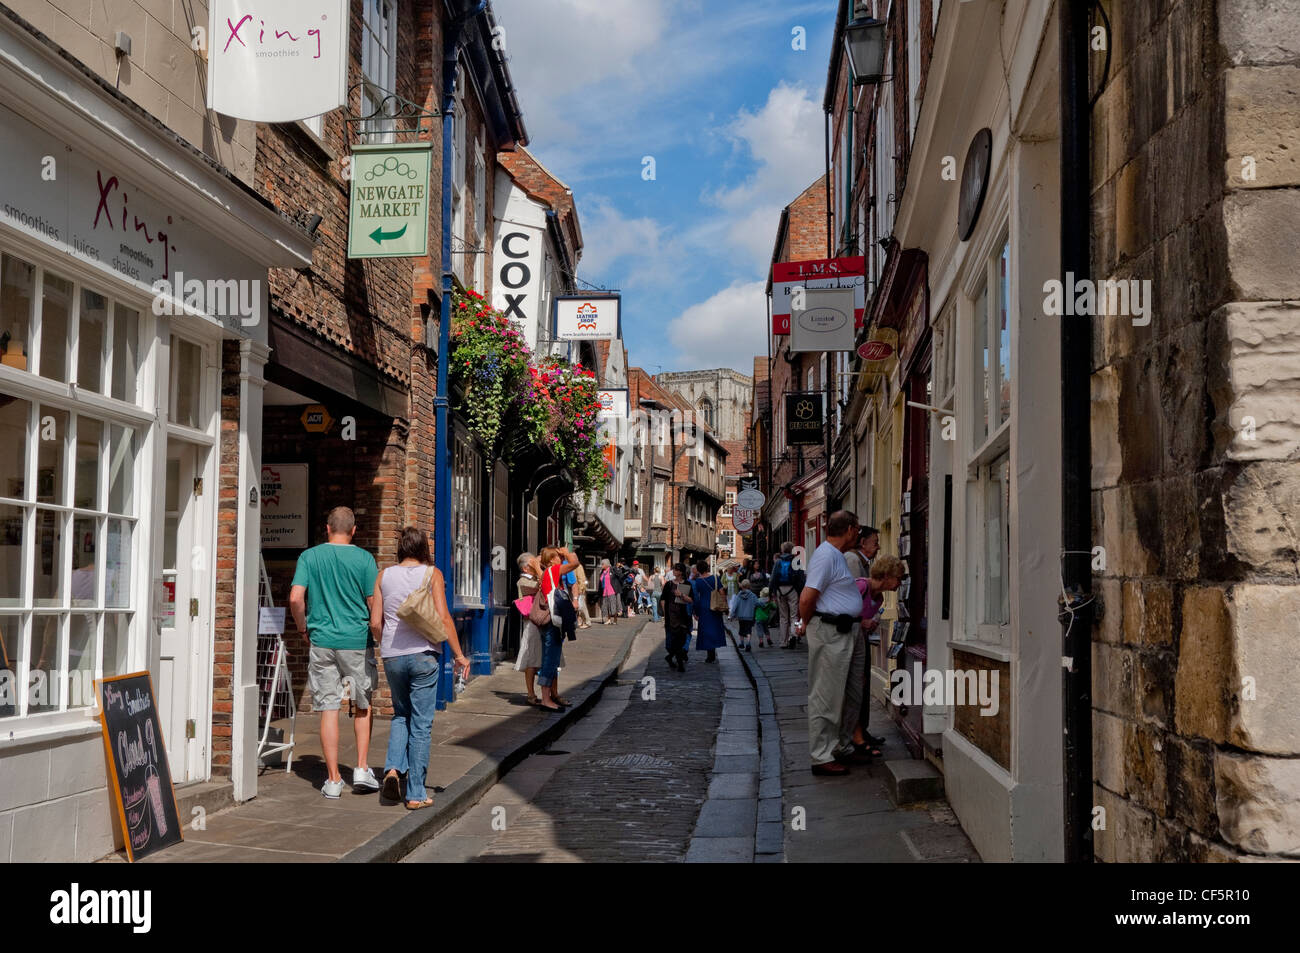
277 60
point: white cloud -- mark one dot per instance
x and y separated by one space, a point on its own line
627 250
727 330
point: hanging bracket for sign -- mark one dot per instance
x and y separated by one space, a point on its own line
392 114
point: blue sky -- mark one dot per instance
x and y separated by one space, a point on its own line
731 113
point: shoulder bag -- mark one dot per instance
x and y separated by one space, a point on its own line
718 597
420 611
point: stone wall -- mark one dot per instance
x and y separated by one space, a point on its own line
1196 434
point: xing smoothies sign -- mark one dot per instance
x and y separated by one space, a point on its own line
139 778
588 318
277 60
804 424
389 214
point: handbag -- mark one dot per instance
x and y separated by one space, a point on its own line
717 598
419 610
539 614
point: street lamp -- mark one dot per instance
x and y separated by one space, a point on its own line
864 43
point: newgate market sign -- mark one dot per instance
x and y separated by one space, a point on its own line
277 60
389 214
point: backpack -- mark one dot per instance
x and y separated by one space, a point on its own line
784 573
763 612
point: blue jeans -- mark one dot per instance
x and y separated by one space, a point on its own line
552 643
413 682
654 607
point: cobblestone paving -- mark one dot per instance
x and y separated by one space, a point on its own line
630 788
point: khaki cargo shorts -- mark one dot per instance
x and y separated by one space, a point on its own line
333 673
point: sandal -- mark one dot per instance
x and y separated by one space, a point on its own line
419 805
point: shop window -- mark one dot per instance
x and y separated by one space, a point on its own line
467 522
988 491
68 494
378 64
186 387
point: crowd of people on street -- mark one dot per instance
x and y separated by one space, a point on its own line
347 606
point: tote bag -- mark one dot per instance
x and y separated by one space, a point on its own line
717 598
420 611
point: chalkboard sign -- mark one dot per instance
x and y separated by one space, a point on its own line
139 779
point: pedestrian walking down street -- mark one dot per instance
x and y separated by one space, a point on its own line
332 598
555 562
580 597
742 608
529 659
856 691
786 584
764 613
609 604
676 597
830 609
711 633
412 665
731 583
656 592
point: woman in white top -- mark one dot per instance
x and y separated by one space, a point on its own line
411 664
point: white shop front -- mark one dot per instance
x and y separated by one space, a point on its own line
112 449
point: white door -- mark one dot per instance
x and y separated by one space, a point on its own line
184 627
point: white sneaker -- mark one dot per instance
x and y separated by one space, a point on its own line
363 780
332 789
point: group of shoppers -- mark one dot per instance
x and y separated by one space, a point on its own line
838 608
341 600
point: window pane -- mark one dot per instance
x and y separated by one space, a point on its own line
187 382
15 415
12 522
11 633
85 543
56 313
117 565
126 352
1004 334
121 470
52 428
44 679
47 558
81 659
91 337
981 365
17 287
997 607
117 630
90 433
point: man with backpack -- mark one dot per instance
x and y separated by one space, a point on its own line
786 584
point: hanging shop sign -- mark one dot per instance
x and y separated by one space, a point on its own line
139 778
589 318
743 519
805 424
277 61
389 213
631 529
518 259
750 496
284 506
875 350
613 404
974 182
610 453
788 276
825 324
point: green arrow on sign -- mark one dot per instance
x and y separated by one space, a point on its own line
380 236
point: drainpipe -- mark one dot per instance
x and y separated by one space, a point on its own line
1076 451
442 419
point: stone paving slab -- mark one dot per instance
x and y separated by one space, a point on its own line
477 739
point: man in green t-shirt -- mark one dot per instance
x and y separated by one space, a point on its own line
333 589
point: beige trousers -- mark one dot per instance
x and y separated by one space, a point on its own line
830 655
787 603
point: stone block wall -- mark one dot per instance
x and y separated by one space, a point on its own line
1196 434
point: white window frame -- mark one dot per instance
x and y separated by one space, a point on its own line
659 501
378 79
729 505
913 64
467 502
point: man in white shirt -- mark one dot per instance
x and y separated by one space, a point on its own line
830 608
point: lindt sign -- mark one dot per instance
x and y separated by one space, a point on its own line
277 60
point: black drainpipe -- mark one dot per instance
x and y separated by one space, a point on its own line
1076 451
